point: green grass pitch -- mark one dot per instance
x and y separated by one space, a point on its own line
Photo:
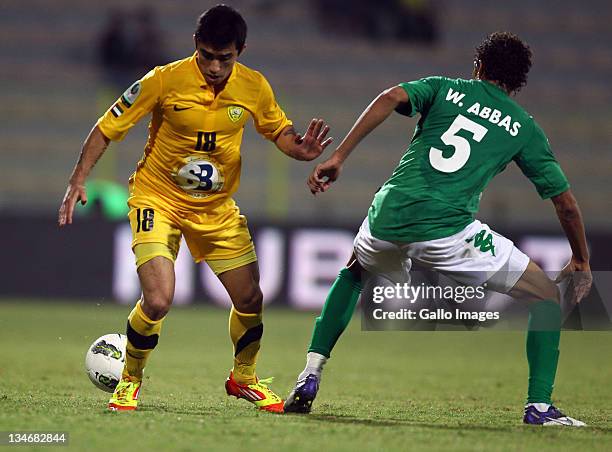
381 390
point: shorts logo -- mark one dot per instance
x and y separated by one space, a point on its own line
130 94
235 112
483 243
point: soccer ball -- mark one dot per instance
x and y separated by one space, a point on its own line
105 359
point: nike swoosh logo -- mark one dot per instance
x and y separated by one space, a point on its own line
181 109
561 421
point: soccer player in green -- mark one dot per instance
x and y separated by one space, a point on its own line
468 132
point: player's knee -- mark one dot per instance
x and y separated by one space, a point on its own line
534 285
548 291
554 294
156 306
354 267
249 301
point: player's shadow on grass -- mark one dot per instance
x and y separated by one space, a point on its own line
161 408
391 422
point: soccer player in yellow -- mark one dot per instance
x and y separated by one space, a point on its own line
183 187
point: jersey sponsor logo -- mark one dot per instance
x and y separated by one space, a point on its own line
199 177
131 94
177 108
484 244
235 112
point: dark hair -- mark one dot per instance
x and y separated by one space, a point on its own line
505 59
221 26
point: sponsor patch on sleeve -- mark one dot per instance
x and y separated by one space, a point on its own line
116 110
131 94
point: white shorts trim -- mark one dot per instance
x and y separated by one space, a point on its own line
454 256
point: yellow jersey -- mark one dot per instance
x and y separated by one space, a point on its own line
192 156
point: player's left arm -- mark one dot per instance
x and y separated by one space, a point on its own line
307 147
388 101
270 121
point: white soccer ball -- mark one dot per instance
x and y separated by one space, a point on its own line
105 359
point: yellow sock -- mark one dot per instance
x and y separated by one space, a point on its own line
143 334
246 331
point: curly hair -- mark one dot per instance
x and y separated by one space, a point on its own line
505 59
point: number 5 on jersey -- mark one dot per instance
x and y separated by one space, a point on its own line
461 145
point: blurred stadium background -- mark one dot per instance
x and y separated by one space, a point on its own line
324 59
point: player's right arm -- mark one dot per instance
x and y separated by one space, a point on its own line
578 267
93 148
327 172
538 163
137 101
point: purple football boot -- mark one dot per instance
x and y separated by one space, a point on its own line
301 398
544 414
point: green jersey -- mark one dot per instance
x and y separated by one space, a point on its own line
468 132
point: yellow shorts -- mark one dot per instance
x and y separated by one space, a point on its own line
219 235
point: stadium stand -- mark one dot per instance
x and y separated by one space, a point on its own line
52 91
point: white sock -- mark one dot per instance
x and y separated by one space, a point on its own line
541 407
314 365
